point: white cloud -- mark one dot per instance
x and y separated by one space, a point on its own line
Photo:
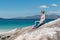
43 6
54 5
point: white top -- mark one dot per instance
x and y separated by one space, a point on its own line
42 18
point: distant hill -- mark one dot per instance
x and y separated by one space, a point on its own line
1 18
52 16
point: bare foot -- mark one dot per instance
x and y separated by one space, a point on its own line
33 28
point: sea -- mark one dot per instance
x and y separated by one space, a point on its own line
8 24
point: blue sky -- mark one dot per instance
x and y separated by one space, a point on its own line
22 8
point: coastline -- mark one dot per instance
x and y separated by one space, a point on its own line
3 31
49 30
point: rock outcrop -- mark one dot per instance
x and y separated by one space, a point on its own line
48 31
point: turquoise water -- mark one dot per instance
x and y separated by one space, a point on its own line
17 23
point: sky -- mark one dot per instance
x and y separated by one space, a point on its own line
22 8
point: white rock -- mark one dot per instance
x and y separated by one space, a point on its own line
46 33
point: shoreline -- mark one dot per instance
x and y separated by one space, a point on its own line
49 30
2 31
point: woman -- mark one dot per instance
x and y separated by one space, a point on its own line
42 20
